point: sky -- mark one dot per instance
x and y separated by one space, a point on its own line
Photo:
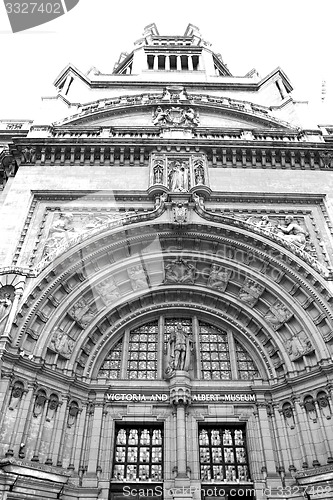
261 34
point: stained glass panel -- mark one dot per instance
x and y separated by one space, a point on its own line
246 368
215 362
110 368
142 352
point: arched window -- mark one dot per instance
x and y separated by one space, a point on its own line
143 353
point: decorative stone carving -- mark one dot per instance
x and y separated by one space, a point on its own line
218 278
327 159
175 116
299 345
28 154
199 171
158 171
250 292
179 271
288 415
82 313
137 277
108 291
180 213
39 403
310 408
16 395
179 349
178 175
324 405
293 232
62 343
180 395
277 315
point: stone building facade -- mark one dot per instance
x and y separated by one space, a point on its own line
166 325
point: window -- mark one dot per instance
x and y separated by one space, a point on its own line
138 454
145 353
223 456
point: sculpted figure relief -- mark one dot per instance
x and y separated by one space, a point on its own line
158 172
82 312
179 350
62 343
250 292
175 116
108 290
277 315
137 277
293 232
299 345
218 278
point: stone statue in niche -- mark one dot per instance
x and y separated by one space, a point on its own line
5 307
299 345
179 271
158 171
137 277
250 292
108 291
323 404
288 414
72 413
82 312
293 232
52 407
277 315
39 404
62 343
179 349
179 176
218 278
310 408
16 395
199 174
180 213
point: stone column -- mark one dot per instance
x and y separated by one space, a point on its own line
190 63
180 397
167 63
155 67
179 63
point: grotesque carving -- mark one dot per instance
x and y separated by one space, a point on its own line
250 292
179 350
277 315
62 343
108 290
179 271
218 278
179 176
299 345
137 277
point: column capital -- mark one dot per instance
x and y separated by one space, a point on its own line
180 395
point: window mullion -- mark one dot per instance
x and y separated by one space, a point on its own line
232 355
124 356
196 339
160 347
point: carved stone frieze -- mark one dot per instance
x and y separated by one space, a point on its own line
218 278
299 345
277 315
179 271
250 292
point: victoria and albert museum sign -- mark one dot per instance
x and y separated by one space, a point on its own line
219 397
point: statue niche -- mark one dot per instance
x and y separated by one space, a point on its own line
180 346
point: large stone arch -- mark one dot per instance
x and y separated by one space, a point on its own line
285 278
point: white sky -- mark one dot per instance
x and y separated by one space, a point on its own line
293 34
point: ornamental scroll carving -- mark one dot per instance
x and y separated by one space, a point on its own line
178 173
277 315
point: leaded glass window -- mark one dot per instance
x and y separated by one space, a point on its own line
215 360
246 368
138 454
142 352
223 455
111 367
